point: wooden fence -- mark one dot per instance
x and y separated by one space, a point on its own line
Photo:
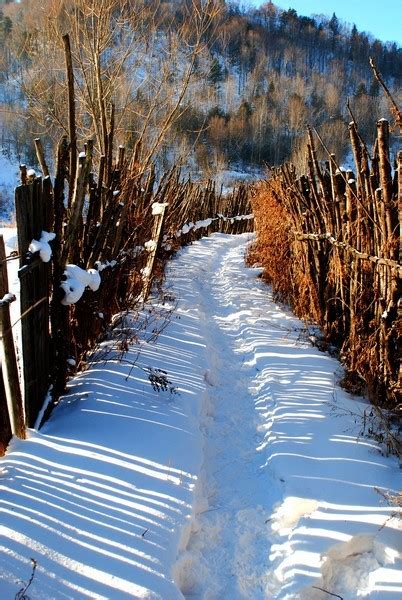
341 265
124 231
112 232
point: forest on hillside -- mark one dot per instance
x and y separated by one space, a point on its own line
236 88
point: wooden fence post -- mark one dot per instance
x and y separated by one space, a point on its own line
3 269
71 115
41 157
10 369
33 206
5 425
399 322
159 211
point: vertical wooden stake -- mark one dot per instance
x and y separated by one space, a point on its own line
71 114
41 157
109 154
10 370
159 213
5 425
23 174
120 160
3 269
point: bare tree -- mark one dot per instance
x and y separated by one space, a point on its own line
132 62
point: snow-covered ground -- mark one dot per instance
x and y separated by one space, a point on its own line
227 179
252 482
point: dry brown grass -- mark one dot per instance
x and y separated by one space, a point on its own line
271 250
280 255
326 284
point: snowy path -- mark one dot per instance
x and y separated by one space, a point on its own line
222 554
226 556
252 483
272 442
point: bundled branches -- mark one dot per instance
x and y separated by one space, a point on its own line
335 234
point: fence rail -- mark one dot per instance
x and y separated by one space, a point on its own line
317 237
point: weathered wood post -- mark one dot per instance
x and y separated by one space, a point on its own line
10 369
41 157
5 426
159 211
3 269
33 206
71 115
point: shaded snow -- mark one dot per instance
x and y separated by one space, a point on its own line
250 483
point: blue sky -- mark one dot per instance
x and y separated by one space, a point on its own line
381 18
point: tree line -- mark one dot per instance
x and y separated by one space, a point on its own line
210 84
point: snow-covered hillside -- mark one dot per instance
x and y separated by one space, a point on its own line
9 173
244 477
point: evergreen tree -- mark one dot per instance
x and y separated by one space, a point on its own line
333 25
374 88
361 90
6 26
216 73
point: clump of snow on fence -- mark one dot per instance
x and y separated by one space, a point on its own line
146 272
7 298
207 222
42 246
101 266
77 280
158 208
150 245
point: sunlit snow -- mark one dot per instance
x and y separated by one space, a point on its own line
246 477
